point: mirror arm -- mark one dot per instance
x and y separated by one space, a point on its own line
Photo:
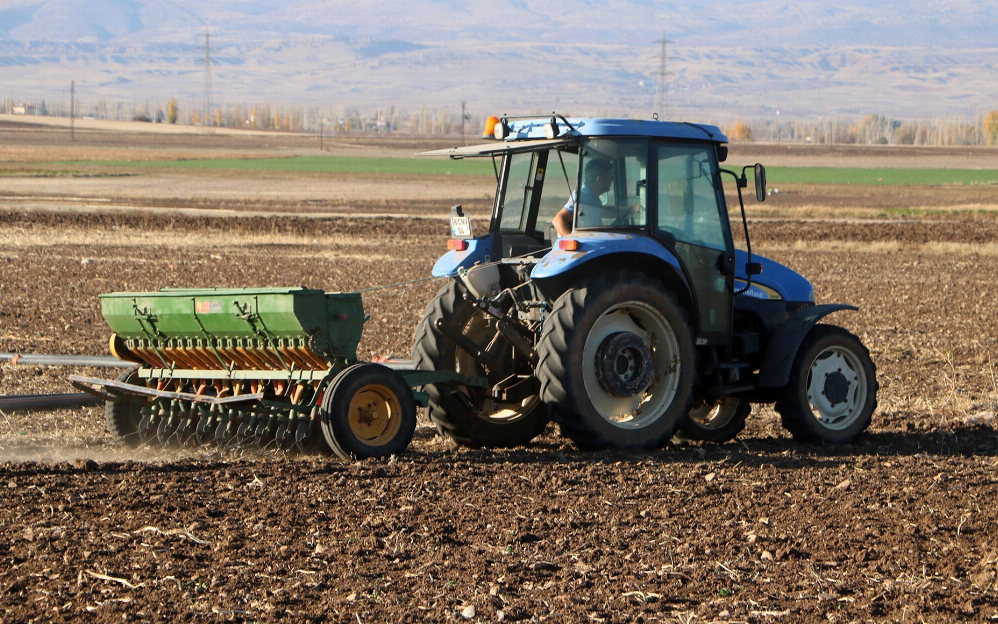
739 184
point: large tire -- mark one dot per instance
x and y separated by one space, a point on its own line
719 421
617 363
832 391
470 416
123 416
368 411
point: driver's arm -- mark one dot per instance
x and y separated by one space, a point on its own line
562 222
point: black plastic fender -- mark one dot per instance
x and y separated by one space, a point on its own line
775 369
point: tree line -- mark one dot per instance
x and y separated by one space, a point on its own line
870 129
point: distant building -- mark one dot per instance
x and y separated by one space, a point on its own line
25 109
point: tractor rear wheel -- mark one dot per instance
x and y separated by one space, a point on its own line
124 415
617 363
469 415
832 391
717 421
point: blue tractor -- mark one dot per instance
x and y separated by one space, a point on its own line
608 295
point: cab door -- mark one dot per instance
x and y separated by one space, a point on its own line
692 218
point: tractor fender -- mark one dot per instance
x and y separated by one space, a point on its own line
600 251
593 245
774 372
479 251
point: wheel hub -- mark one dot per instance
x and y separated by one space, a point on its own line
371 413
624 364
836 388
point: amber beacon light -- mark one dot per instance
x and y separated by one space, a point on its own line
490 127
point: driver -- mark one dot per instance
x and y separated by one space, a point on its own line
597 179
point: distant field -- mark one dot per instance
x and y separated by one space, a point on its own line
324 164
477 167
885 177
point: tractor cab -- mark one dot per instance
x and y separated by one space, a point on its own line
645 192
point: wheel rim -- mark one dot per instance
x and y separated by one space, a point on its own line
837 388
715 415
479 330
375 415
647 404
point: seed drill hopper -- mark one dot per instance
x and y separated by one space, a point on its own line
274 368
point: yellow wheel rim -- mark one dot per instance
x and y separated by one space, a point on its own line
118 348
375 415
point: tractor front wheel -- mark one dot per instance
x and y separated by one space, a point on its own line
617 363
469 415
832 391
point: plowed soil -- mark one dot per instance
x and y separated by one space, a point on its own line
899 527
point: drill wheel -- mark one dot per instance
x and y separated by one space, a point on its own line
368 411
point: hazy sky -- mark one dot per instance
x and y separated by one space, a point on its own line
725 56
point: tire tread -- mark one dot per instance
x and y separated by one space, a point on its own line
555 356
451 417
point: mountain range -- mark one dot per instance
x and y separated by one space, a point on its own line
724 59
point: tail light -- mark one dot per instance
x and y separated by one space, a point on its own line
455 244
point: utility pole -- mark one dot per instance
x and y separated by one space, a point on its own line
72 110
463 117
207 120
662 91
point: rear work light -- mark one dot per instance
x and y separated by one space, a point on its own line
457 244
568 244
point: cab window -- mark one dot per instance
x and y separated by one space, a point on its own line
519 189
688 205
538 180
613 184
560 176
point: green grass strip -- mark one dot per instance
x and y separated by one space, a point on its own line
483 167
879 177
324 164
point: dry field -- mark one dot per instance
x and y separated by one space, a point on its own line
899 527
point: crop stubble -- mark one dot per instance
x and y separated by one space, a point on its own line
897 527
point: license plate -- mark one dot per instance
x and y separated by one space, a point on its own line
460 227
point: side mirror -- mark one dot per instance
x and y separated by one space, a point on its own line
722 153
760 182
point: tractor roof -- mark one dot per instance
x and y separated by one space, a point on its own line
526 134
534 129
